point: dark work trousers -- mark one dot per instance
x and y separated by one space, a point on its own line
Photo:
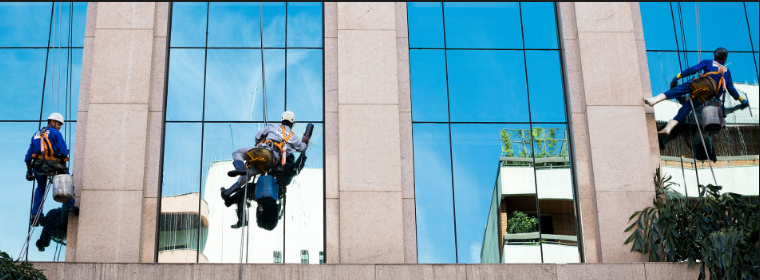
679 91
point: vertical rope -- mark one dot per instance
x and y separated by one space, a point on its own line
699 35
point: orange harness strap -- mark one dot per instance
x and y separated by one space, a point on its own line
46 148
281 145
721 71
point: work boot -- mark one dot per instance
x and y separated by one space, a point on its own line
654 100
34 223
74 209
226 193
666 130
239 169
239 224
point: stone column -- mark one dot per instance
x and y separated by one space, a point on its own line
371 224
119 132
613 79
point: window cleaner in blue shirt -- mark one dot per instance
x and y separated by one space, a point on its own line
48 148
719 78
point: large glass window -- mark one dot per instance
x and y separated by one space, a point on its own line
215 105
40 68
679 35
493 179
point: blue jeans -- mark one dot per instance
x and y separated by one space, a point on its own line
39 192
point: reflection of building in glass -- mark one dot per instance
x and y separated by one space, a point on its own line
301 215
542 188
178 231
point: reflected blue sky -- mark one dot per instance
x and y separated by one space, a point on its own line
425 25
189 24
428 81
482 25
305 24
25 33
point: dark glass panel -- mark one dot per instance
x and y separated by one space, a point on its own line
22 77
547 95
487 86
25 24
539 25
477 151
658 26
433 190
428 82
488 25
304 84
62 92
305 24
234 24
180 218
184 101
425 24
554 184
189 24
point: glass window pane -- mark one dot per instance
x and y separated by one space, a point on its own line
539 25
428 81
433 190
483 25
752 11
733 26
25 24
304 200
305 24
554 184
61 92
184 101
657 21
22 79
180 218
425 24
234 24
59 36
304 84
13 146
516 203
234 89
663 67
547 95
476 152
189 24
487 86
274 24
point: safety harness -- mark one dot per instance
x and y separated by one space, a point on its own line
705 88
280 145
46 148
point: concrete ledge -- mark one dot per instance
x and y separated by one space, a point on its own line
367 271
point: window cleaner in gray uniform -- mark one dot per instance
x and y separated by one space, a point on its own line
713 83
274 142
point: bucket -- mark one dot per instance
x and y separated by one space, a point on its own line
267 186
63 188
711 117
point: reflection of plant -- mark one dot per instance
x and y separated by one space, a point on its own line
547 142
17 270
521 223
720 231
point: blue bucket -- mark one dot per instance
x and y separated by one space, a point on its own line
267 186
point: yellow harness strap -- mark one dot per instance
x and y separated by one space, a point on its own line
281 145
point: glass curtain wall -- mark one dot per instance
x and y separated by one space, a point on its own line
215 104
493 176
40 67
679 35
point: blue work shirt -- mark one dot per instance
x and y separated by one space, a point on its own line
709 65
56 140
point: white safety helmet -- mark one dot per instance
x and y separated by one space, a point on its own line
289 116
56 117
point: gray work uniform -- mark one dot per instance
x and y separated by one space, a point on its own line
270 132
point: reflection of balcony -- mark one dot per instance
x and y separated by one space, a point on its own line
178 229
524 248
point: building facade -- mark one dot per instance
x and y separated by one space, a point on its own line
445 133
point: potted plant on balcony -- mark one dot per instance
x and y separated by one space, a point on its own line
718 230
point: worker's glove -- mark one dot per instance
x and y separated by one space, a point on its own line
29 175
674 82
744 104
305 140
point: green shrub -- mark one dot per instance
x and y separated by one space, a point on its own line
10 269
521 223
720 231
